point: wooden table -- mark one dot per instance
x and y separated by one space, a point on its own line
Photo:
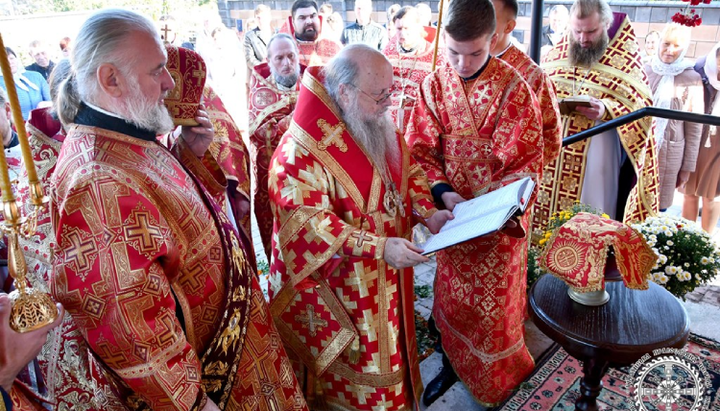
619 333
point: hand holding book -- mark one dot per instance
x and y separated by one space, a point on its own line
483 215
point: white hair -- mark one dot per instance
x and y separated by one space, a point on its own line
102 39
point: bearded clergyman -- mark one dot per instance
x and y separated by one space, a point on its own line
599 60
345 195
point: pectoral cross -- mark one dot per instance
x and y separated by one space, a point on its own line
331 136
312 320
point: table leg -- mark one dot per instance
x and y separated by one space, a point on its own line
591 384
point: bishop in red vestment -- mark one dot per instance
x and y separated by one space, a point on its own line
345 195
160 284
475 128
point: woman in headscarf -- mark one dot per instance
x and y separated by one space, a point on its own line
32 89
675 85
705 181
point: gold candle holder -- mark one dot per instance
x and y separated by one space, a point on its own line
31 309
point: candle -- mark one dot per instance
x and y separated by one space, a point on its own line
17 119
7 194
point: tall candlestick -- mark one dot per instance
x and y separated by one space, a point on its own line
17 116
7 194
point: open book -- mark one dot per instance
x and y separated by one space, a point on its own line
567 105
482 215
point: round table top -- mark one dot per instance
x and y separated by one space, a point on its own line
632 323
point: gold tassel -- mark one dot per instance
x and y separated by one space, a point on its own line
354 354
318 401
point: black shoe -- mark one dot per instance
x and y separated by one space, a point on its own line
440 384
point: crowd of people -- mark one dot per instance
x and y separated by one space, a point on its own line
355 137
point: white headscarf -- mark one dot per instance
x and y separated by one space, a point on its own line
666 88
711 67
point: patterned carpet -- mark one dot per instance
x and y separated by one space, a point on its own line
555 383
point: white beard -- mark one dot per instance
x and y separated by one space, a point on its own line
375 135
146 114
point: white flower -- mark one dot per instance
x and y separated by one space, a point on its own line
669 242
668 233
663 279
671 270
705 261
687 265
687 276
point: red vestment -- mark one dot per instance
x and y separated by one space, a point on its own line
270 113
544 89
230 152
409 71
160 286
476 137
343 311
619 81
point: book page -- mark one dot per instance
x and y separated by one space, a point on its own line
502 198
468 230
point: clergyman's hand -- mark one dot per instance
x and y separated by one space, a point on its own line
198 138
18 349
451 199
401 253
242 207
513 228
596 111
437 220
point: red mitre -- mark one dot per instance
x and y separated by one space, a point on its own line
189 72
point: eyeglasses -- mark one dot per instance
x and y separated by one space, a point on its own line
377 101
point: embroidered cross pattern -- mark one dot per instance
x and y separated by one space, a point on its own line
331 136
360 238
312 320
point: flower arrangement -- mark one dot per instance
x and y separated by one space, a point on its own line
688 17
687 255
558 218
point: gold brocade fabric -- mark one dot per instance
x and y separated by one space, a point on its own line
409 71
619 81
544 89
339 307
476 137
136 243
577 251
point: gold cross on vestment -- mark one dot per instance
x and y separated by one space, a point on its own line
331 136
312 319
486 150
361 237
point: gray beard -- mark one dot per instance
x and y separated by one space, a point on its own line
586 57
148 115
288 81
376 136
